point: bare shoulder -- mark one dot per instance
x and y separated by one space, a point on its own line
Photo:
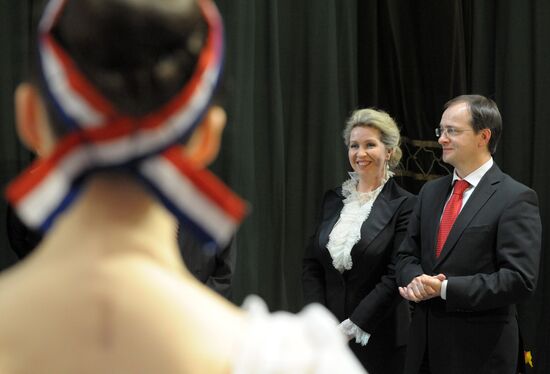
169 319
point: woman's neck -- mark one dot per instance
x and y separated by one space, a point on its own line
368 183
114 214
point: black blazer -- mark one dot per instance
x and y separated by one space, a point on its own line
491 260
367 293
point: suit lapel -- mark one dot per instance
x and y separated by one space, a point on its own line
328 224
380 215
483 192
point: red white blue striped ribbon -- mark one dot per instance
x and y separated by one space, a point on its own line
102 138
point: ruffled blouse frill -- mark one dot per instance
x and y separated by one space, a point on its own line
281 342
347 231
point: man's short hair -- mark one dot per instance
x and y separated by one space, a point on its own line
484 115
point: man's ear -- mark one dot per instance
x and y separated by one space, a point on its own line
204 145
31 120
485 137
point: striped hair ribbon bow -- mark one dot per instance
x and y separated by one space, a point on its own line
101 138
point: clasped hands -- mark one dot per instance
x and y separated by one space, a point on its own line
423 287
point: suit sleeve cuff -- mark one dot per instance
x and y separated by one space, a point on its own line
444 289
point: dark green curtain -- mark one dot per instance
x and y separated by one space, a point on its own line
294 72
15 35
291 73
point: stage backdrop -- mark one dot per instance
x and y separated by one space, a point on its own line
296 69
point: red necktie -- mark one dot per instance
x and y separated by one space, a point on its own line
450 213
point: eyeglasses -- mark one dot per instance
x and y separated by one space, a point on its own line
449 131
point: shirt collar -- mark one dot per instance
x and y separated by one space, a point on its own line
475 176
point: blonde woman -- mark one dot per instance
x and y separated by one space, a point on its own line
349 264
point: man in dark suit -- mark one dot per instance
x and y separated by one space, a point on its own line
210 265
471 252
